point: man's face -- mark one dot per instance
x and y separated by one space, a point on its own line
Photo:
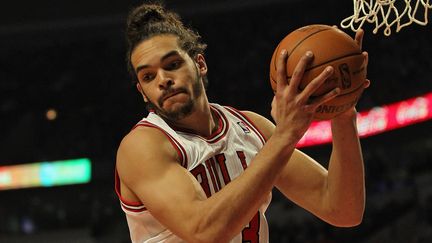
169 79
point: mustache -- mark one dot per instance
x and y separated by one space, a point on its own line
169 92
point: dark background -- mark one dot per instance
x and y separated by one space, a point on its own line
70 56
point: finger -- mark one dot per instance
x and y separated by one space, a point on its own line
323 98
366 57
316 83
359 37
299 70
273 103
281 75
273 111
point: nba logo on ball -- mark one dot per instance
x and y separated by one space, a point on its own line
345 76
330 47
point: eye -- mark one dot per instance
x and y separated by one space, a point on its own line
147 77
174 65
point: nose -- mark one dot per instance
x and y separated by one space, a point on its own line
165 79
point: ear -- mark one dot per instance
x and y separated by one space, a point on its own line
201 64
139 88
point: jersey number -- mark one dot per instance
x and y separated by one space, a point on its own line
250 233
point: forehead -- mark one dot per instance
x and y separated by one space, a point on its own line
154 48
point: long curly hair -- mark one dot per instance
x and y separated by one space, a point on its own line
151 19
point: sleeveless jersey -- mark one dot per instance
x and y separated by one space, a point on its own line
214 161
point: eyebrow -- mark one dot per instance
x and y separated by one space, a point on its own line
164 57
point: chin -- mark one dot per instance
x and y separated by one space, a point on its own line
178 112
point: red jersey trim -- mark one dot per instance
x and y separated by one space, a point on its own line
138 206
220 133
177 146
248 121
127 205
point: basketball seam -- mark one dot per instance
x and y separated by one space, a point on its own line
306 70
352 91
324 117
347 93
342 94
307 37
331 60
274 62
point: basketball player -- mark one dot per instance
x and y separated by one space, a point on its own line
194 171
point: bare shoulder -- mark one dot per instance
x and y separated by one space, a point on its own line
142 152
265 125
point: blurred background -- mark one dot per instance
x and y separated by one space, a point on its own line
65 93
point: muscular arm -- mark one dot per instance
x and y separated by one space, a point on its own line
346 186
148 166
337 195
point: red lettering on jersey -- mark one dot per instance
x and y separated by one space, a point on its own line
242 157
250 233
220 158
216 168
200 174
211 167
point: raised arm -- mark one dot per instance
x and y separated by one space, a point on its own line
336 196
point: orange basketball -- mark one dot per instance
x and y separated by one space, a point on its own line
331 47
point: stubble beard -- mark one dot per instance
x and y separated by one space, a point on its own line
185 109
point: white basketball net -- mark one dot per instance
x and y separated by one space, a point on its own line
387 13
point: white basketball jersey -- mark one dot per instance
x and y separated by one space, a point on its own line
214 161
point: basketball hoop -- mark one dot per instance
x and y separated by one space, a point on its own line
386 14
